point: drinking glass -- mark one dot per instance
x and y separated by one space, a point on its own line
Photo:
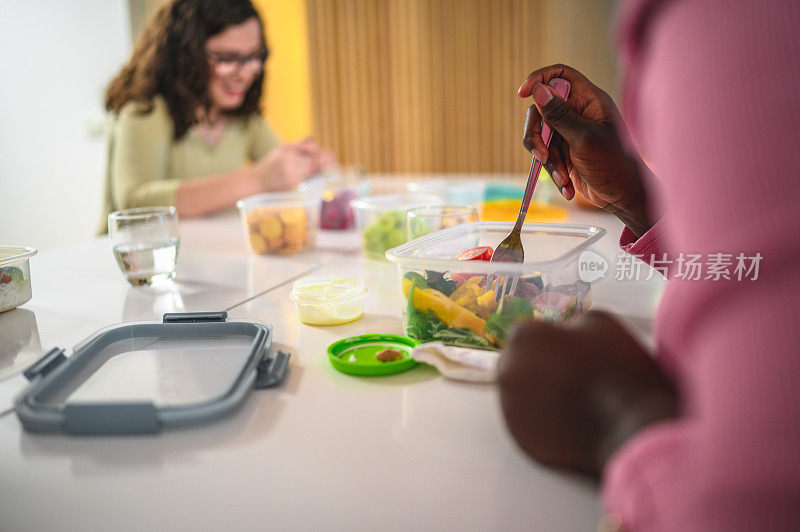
145 242
423 220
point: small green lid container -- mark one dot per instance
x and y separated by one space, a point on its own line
356 354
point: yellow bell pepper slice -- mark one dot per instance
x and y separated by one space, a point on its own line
451 313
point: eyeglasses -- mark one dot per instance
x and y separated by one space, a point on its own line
230 63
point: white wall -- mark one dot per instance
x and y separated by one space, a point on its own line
56 57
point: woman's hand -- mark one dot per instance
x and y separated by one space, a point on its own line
283 168
324 160
327 160
586 151
288 165
573 394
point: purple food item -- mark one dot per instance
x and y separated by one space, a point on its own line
336 212
554 300
529 291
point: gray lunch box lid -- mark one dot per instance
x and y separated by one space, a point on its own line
57 376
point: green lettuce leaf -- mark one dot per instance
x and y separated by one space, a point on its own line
414 276
463 337
437 281
510 312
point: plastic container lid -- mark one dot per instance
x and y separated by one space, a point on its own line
401 201
277 199
356 355
144 377
321 289
548 247
326 183
458 190
11 254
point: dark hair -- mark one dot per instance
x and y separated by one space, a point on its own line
170 59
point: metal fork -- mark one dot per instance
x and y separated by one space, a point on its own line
510 249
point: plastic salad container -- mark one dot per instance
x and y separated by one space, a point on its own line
15 276
283 222
447 300
336 192
381 220
329 299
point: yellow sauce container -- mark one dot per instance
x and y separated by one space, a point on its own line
329 299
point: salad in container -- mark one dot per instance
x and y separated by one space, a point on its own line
15 276
447 289
381 219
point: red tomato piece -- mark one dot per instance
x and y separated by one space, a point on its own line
479 253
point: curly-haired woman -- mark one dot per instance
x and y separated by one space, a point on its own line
187 118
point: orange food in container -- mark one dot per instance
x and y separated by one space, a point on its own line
282 223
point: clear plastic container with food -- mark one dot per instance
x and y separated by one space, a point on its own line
15 276
381 220
283 222
336 191
443 280
421 221
329 299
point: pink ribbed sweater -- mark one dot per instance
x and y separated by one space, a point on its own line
712 97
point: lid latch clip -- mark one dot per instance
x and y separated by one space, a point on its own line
194 317
271 371
50 361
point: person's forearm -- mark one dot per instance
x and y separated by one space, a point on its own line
636 219
207 195
634 210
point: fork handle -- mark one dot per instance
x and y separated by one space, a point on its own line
533 177
562 87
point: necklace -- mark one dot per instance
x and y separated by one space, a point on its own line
210 126
211 132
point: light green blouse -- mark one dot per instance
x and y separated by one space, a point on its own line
146 164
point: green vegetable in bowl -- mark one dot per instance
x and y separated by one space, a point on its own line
464 337
386 232
510 312
414 276
437 281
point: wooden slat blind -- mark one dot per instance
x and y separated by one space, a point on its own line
423 85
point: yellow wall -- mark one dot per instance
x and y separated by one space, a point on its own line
287 103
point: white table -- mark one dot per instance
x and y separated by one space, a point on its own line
325 451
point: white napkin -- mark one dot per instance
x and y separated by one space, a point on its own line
459 363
